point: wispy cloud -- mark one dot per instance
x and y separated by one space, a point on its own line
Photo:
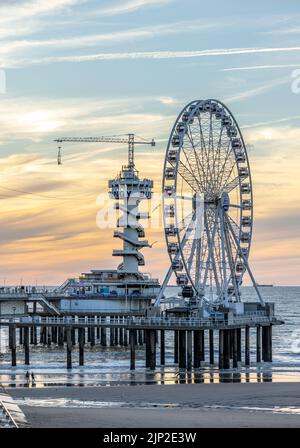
271 122
259 67
25 17
23 10
125 7
257 90
150 55
113 37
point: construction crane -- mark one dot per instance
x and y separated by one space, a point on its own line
130 140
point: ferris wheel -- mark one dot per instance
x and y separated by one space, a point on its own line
208 203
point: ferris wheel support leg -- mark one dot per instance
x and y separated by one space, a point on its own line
210 244
246 263
236 290
224 264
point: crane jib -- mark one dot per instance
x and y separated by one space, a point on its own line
102 139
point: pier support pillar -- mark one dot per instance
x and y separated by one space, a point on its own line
182 349
270 343
226 355
211 347
176 340
42 335
125 337
54 335
98 329
258 344
189 350
73 335
92 336
103 337
221 349
21 340
147 348
132 349
81 345
12 338
31 335
197 360
235 348
112 333
49 336
239 344
141 337
247 346
152 349
162 348
34 330
60 336
202 345
69 349
116 333
121 336
26 345
267 343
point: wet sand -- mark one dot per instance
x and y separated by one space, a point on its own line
174 406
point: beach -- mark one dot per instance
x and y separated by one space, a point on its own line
245 405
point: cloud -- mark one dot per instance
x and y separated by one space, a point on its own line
130 6
27 17
271 122
148 55
10 48
41 119
259 67
257 90
28 9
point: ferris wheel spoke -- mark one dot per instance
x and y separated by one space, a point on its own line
194 148
197 160
210 240
229 186
221 173
226 181
216 166
233 222
188 176
182 222
203 150
209 173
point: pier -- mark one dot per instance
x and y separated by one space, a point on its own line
195 341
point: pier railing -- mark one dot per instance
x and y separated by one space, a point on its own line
145 322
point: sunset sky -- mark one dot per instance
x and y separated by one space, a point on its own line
109 67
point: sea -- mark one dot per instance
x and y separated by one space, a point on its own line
107 366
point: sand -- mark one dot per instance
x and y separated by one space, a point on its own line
201 405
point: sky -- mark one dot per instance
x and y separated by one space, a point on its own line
109 67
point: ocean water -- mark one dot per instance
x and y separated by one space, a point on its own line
110 366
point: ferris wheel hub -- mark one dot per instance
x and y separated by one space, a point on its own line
225 201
